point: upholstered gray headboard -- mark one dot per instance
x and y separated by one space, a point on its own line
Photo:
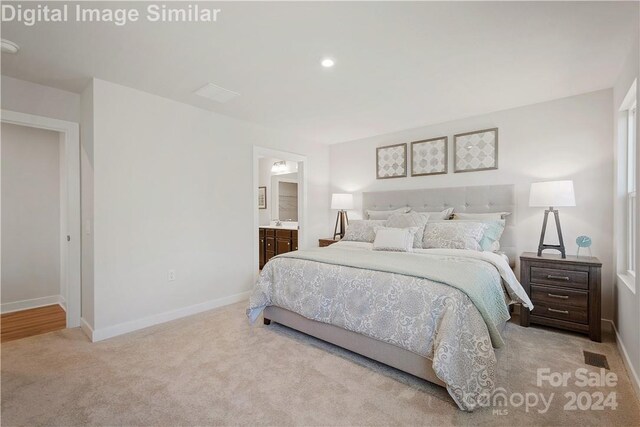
478 199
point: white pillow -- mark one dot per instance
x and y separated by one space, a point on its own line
384 215
482 216
445 214
410 219
454 235
362 230
394 239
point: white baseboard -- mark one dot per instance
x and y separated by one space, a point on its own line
633 375
86 328
26 304
134 325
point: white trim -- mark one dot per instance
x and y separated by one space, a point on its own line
302 196
134 325
630 98
629 281
26 304
70 225
633 375
62 231
86 328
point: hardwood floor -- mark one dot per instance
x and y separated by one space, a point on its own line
35 321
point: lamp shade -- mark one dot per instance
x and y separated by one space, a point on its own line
552 193
341 201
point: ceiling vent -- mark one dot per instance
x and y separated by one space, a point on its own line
216 93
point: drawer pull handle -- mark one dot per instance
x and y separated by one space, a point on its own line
559 296
558 311
552 277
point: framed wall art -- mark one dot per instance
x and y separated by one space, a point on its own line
429 156
476 151
262 197
391 161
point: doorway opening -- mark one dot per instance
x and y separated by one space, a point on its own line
40 245
280 203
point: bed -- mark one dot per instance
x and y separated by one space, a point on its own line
434 313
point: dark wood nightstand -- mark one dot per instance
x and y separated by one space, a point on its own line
327 242
565 292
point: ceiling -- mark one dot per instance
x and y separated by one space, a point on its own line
398 65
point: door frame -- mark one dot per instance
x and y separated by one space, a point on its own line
70 251
302 196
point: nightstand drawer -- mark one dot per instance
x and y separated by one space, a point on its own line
559 296
560 311
560 277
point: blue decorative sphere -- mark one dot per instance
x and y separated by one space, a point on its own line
583 241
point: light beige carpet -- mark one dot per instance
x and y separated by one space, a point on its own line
214 369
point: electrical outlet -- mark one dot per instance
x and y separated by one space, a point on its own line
172 275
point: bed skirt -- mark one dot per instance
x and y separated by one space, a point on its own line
388 354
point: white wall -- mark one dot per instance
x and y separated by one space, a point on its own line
173 189
32 98
569 138
627 316
30 215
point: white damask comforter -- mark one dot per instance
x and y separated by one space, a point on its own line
429 318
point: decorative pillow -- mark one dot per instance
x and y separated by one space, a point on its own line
491 239
384 215
362 230
481 216
445 214
410 219
394 239
454 235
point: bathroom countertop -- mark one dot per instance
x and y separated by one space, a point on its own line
282 227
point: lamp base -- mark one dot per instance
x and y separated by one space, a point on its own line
542 246
342 221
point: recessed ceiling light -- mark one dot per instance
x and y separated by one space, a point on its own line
328 63
9 47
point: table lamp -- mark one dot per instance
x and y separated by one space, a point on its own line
552 194
341 202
